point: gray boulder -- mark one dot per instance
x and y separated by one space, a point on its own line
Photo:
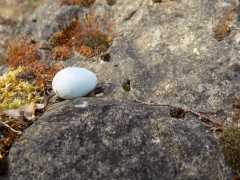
154 50
115 140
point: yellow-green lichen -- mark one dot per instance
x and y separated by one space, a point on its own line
16 92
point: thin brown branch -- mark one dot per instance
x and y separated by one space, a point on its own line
197 113
3 123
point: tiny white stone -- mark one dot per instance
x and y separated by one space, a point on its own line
83 105
156 141
73 82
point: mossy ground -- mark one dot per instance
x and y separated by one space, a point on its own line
7 138
25 82
15 93
230 142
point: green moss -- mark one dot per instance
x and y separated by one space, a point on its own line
15 92
127 85
230 142
93 39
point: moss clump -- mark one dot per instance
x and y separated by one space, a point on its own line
7 137
26 81
127 85
15 92
221 27
230 142
24 52
92 39
77 2
111 2
90 35
177 112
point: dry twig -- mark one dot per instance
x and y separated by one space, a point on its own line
197 113
3 123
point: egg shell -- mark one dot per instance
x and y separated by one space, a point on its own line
73 82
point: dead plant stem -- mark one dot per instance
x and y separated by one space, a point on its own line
3 123
197 113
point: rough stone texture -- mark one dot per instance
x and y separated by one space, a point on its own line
154 50
109 139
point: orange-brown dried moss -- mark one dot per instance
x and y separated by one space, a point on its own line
111 2
100 49
60 52
24 52
89 36
59 38
221 27
77 2
21 52
86 51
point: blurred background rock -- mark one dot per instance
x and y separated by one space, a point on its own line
11 12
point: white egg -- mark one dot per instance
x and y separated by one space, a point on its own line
73 82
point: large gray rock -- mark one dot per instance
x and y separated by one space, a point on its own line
154 49
115 140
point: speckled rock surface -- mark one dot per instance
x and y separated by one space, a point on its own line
154 51
115 140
